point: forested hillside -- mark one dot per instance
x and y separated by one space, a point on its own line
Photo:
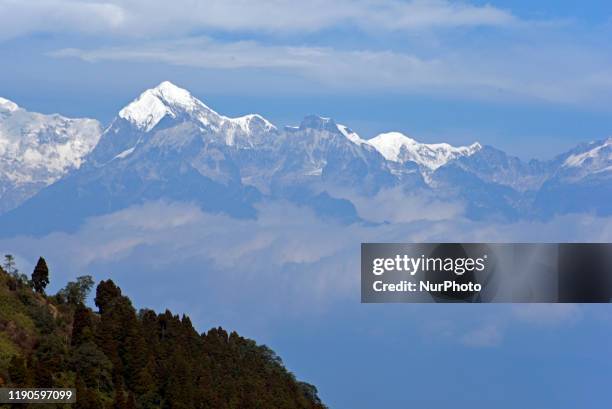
117 357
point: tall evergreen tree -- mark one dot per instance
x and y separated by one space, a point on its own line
40 276
106 292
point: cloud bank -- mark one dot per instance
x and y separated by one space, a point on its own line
215 266
433 47
523 69
139 18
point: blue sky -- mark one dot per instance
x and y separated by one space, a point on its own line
532 78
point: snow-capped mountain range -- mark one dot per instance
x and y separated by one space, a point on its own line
167 144
37 150
168 100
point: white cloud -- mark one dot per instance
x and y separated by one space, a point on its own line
383 207
284 233
285 264
549 72
531 60
71 16
143 18
283 238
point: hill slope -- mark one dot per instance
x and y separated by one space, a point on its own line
119 358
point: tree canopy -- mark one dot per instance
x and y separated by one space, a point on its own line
40 276
117 357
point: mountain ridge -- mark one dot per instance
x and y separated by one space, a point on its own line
167 144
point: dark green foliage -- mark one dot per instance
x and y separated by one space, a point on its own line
118 358
76 292
311 392
40 314
82 325
40 276
87 398
52 353
17 371
92 367
106 292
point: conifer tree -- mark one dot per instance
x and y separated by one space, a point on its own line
40 276
106 292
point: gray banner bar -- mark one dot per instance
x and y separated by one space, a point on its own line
37 395
486 272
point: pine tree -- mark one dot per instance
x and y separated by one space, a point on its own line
106 292
40 276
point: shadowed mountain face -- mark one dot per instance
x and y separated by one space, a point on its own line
168 145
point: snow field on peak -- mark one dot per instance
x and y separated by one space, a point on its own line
397 147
